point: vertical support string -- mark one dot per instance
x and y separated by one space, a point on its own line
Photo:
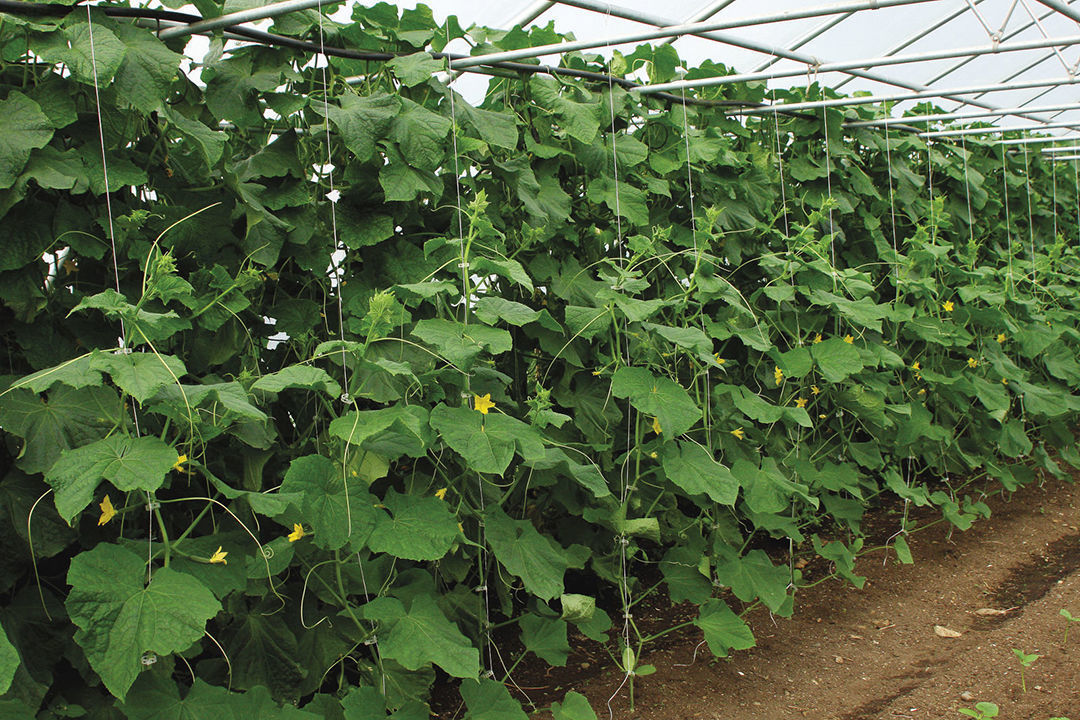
892 200
624 472
122 343
488 655
1076 195
1053 173
1008 219
967 193
1031 223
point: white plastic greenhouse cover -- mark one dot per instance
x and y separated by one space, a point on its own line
1013 63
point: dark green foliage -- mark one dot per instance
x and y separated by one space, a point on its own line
329 474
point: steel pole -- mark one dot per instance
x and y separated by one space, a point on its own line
692 28
1062 158
241 16
1067 148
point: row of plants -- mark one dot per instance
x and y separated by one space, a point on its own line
263 455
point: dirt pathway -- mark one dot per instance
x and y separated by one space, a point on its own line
873 654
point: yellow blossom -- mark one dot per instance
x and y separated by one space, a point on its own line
814 390
947 306
297 532
800 402
656 426
595 372
1001 337
817 338
922 391
441 493
461 528
719 360
738 433
1004 381
653 455
778 375
107 511
822 416
916 366
483 403
219 556
178 466
972 362
848 339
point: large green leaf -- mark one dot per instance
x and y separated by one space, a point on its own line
486 442
417 528
141 375
263 653
420 633
390 432
147 70
836 359
298 376
657 396
692 468
419 134
129 463
66 419
574 706
538 560
156 697
120 617
546 637
724 630
25 127
753 576
337 507
488 699
9 662
460 343
363 120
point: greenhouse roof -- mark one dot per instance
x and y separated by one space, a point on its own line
1011 63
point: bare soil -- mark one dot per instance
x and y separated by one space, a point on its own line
873 654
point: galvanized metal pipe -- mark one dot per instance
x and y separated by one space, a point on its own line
968 115
945 73
692 28
1067 148
241 16
1038 140
811 35
1066 41
530 13
1062 158
1062 8
911 40
901 97
996 130
606 8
